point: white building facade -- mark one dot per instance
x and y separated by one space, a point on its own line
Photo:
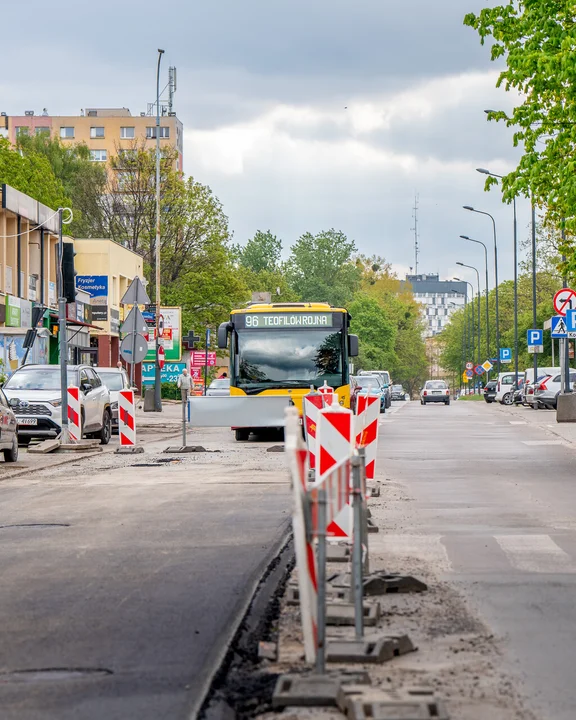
439 299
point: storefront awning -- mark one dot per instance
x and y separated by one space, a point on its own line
77 323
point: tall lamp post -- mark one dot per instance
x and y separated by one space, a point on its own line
481 212
471 267
465 237
470 319
463 353
158 372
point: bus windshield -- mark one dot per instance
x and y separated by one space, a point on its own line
288 358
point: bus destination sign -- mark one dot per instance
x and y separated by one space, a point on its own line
287 320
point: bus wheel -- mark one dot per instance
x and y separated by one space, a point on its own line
242 434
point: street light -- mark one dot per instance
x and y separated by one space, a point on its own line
479 242
487 172
158 372
469 319
471 267
463 353
481 212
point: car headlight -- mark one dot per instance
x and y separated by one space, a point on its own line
55 403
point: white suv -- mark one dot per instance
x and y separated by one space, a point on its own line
33 392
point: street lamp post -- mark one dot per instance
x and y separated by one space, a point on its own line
470 322
158 372
487 172
534 320
465 237
462 352
481 212
471 267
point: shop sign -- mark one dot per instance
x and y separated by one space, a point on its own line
169 373
13 314
171 338
97 287
114 320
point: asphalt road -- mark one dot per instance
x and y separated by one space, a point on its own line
494 512
134 571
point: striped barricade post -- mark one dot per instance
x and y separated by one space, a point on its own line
328 392
366 429
127 420
335 442
74 414
313 403
296 455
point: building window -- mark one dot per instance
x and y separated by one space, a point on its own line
42 131
22 130
151 132
66 132
127 133
99 155
96 132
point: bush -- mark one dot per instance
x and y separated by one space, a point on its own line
171 391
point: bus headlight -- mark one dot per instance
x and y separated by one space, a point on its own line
341 401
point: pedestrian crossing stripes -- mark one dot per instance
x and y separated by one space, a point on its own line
490 553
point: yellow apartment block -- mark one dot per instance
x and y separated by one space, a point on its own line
106 131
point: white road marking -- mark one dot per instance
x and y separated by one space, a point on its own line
518 422
543 442
535 553
422 548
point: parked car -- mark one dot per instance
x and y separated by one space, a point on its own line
528 389
546 390
219 387
384 376
9 431
435 391
398 392
370 384
115 379
490 390
504 390
33 392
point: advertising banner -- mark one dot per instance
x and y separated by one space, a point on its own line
97 287
171 338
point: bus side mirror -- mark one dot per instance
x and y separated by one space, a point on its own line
352 345
223 335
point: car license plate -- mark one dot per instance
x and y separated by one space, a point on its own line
27 421
435 392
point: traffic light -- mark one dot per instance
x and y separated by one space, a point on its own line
68 273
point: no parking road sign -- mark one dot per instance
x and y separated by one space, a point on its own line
479 370
469 374
564 300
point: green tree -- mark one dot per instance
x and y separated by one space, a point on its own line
261 253
376 333
321 268
31 174
537 41
83 180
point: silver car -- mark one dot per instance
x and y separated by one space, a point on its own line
435 391
115 380
219 388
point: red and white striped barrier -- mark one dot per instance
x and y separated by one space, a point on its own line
74 414
366 427
311 406
327 391
337 485
296 455
335 442
126 418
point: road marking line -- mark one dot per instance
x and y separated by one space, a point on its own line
518 422
427 549
535 553
543 442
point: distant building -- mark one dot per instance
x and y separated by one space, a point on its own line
106 131
439 298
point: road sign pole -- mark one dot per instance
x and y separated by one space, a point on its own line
63 336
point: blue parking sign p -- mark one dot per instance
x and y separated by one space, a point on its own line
535 337
505 355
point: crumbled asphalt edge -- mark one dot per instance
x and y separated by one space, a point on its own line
240 689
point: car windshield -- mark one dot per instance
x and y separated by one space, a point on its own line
436 385
288 358
113 380
44 378
368 381
397 388
223 383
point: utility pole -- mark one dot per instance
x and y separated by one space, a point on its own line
158 372
534 284
63 337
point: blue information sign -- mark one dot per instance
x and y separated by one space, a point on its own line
535 337
169 373
559 329
505 355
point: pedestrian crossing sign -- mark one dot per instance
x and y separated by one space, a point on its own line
558 327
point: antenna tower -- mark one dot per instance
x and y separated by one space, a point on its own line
415 229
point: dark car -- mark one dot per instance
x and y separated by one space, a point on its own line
490 390
398 392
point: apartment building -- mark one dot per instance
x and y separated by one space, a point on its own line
439 298
106 131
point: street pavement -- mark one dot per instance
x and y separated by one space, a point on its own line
123 577
489 502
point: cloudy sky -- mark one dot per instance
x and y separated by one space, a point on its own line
300 114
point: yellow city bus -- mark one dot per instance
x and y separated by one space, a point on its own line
284 348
